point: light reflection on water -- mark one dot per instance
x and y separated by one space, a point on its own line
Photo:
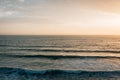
95 46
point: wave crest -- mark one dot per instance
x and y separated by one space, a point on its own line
7 70
61 50
22 74
56 56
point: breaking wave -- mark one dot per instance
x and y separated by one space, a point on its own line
7 70
22 74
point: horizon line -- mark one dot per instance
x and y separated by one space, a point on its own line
59 35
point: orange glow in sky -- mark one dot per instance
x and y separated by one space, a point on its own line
59 17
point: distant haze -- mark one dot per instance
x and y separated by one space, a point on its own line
59 17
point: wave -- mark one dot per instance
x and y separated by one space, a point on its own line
22 74
19 71
35 46
56 56
63 50
29 48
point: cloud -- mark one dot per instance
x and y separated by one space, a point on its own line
21 0
10 14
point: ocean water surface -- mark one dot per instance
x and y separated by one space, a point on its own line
59 57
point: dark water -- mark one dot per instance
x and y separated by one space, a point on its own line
60 57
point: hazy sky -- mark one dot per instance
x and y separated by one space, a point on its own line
60 17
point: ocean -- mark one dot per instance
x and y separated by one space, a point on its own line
59 57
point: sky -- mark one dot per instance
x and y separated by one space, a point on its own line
59 17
